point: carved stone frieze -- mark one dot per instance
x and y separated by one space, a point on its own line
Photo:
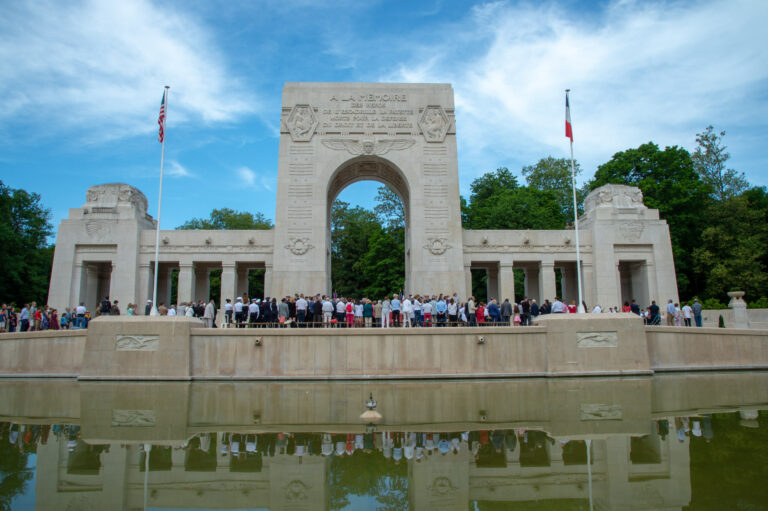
101 197
134 418
299 246
368 146
434 123
600 412
132 342
527 246
631 231
437 246
617 196
97 229
597 340
301 123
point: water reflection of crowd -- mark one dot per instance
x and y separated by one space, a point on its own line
484 446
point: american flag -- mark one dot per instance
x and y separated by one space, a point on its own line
161 119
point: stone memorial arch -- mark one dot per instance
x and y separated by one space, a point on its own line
402 135
333 135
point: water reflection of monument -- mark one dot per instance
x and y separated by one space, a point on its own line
520 441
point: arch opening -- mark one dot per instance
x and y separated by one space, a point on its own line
377 270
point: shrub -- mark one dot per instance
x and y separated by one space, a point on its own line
760 303
713 304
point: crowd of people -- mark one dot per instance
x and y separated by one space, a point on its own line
399 310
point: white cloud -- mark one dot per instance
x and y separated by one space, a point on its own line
638 71
251 179
100 66
175 169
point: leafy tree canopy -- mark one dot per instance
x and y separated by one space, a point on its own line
25 256
554 175
670 184
709 161
229 219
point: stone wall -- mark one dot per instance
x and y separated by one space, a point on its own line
123 348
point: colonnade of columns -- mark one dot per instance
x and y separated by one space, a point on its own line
540 279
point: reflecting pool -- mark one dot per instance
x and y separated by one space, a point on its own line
683 441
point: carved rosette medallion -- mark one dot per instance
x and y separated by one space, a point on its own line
442 487
434 123
437 246
296 490
368 146
299 246
301 123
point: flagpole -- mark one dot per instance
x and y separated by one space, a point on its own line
575 216
154 311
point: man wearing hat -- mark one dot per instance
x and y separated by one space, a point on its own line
239 313
253 312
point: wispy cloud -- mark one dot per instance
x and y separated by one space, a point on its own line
251 179
176 169
639 71
100 66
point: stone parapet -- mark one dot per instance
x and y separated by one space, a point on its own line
142 348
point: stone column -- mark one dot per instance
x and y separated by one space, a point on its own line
76 290
92 288
506 283
468 280
546 281
241 281
650 277
588 283
492 284
228 276
145 287
163 286
202 284
186 282
268 280
114 285
564 288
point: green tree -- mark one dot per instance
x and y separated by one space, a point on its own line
670 184
25 255
733 249
554 175
709 161
14 473
229 219
497 201
389 208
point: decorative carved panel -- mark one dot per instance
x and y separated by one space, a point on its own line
131 342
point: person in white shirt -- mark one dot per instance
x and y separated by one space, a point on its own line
228 312
596 310
253 312
172 310
327 313
687 314
386 309
407 308
558 307
239 316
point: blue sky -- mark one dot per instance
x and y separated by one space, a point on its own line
81 82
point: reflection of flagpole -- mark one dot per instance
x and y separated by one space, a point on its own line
569 134
589 471
161 121
147 449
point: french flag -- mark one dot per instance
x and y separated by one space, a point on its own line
568 127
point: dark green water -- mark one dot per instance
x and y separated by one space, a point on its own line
687 441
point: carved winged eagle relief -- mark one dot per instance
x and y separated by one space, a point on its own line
368 146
